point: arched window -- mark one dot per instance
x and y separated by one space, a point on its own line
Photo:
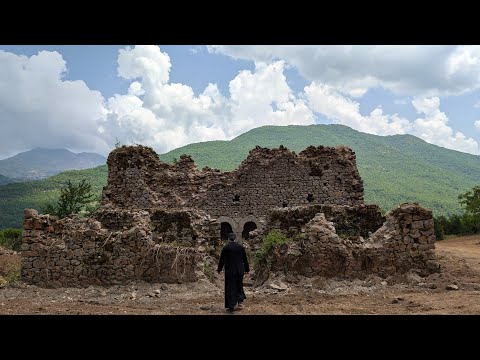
225 229
249 226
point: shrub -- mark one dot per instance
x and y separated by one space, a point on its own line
11 239
273 238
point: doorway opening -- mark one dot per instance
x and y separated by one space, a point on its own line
225 229
249 226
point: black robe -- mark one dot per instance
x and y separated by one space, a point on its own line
234 258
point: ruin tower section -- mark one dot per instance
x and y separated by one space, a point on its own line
266 179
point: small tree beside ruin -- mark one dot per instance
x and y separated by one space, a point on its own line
73 199
471 201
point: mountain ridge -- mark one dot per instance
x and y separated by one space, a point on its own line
40 163
394 168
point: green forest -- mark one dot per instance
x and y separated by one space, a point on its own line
395 169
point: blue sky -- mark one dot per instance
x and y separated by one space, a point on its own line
86 98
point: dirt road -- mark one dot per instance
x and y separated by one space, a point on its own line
407 294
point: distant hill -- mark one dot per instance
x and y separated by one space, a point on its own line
41 163
395 169
5 180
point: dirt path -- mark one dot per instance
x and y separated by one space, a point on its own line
409 294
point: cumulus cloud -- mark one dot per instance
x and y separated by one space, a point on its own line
433 127
263 97
416 70
166 115
477 124
327 101
40 109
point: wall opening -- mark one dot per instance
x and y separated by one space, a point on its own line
284 204
310 198
225 229
236 198
249 226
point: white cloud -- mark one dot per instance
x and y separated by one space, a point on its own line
39 109
477 124
433 127
264 97
329 102
418 70
170 115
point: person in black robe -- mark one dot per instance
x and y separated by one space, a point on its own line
234 258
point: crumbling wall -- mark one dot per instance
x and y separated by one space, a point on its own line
267 178
270 178
405 241
137 178
349 221
121 247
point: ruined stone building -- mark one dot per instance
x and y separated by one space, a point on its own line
158 221
242 199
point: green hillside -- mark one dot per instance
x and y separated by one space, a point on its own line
395 169
15 197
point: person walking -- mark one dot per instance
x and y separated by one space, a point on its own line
234 259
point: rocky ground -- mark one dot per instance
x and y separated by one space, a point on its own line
456 290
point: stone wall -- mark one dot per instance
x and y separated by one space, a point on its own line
357 220
276 178
121 247
266 179
405 242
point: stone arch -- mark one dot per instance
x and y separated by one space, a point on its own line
247 227
225 229
227 225
248 224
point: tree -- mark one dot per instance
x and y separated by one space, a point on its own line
454 225
438 224
72 200
471 201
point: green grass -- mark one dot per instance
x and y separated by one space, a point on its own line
273 238
395 169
